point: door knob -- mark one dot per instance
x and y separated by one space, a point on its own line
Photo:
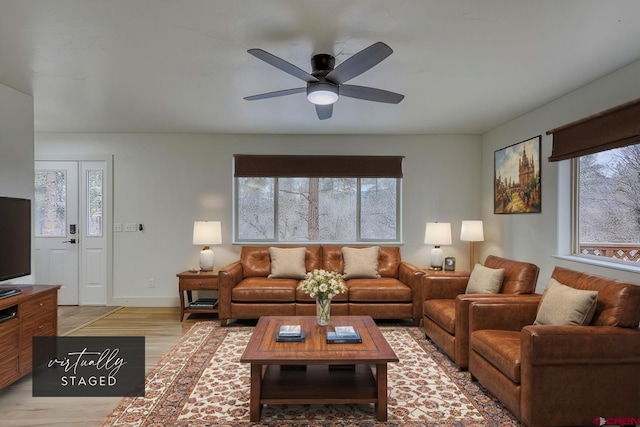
72 241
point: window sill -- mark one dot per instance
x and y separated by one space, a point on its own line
600 263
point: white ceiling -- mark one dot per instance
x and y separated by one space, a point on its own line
464 66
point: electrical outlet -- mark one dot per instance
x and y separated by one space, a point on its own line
152 283
130 226
117 226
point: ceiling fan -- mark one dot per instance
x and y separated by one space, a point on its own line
326 83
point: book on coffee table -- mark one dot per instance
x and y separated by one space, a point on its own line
343 335
290 333
290 330
346 332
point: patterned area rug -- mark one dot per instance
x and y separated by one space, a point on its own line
202 383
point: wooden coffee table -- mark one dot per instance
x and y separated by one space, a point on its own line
314 372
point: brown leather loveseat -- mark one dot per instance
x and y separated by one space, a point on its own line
246 291
446 305
559 373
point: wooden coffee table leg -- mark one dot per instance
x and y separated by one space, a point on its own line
381 378
255 408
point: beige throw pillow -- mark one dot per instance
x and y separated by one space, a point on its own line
564 305
485 280
287 263
361 263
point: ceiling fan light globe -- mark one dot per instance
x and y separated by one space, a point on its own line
322 93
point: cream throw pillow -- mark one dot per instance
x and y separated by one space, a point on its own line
564 305
485 280
361 263
287 263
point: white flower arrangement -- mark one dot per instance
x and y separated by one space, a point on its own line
322 284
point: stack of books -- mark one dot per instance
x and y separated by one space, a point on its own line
290 333
343 335
204 303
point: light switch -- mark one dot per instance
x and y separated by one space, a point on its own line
130 226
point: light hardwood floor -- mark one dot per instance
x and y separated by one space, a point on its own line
162 329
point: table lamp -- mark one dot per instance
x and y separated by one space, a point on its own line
206 233
437 233
472 231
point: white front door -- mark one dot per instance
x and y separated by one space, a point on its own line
56 228
71 229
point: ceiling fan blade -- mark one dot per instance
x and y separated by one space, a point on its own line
324 111
276 94
283 65
360 62
370 94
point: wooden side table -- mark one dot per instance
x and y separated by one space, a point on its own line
446 273
189 281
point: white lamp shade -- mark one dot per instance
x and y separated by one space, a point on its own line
207 233
437 233
472 231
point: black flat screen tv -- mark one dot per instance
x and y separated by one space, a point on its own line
15 237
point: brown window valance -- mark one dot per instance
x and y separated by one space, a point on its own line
249 165
613 128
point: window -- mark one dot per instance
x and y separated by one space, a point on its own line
605 151
51 203
94 202
608 204
316 208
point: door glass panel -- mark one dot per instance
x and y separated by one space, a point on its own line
94 203
50 203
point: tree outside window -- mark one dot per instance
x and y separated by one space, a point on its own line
609 204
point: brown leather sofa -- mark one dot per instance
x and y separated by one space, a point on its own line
550 375
446 306
245 291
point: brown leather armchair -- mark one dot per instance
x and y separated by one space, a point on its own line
550 375
446 306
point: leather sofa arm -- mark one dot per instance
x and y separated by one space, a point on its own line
579 345
411 276
443 287
505 315
228 277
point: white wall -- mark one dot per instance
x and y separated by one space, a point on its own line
538 237
16 152
167 181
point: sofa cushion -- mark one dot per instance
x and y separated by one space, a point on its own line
287 263
255 261
258 289
361 263
442 312
385 289
500 348
485 280
564 305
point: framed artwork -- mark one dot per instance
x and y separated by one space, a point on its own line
516 179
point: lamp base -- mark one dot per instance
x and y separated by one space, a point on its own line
206 259
437 258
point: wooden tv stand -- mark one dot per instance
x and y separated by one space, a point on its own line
36 314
